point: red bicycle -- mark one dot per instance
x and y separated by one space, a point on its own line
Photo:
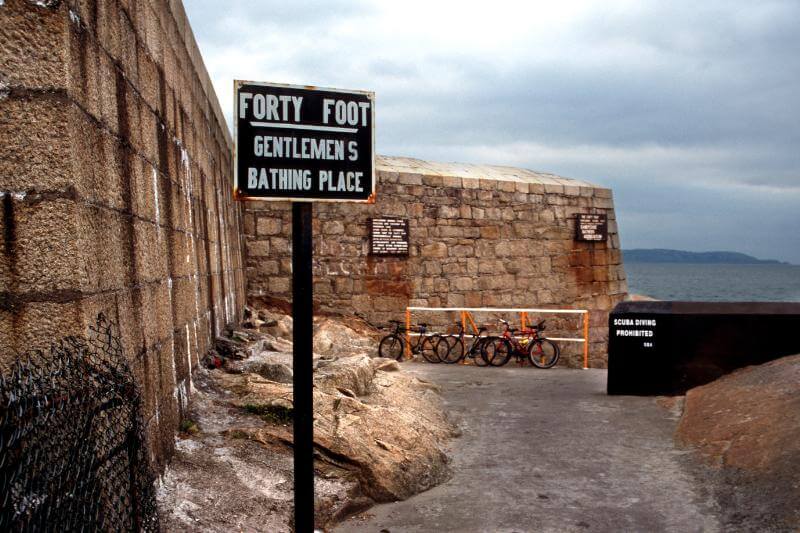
541 352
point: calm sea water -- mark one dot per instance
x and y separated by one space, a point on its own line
715 282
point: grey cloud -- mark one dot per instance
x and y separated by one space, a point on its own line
224 22
689 111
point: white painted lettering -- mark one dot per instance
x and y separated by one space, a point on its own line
272 107
326 109
243 99
258 106
297 101
285 107
262 180
364 106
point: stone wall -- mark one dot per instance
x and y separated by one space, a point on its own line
481 236
116 190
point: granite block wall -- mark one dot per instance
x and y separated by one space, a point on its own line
480 236
115 190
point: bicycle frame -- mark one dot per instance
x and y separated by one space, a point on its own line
400 330
476 340
531 335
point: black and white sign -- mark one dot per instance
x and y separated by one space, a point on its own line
639 331
388 236
591 227
303 144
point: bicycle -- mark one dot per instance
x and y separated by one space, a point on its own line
393 345
456 348
541 352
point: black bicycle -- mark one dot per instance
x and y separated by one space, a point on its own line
393 345
456 349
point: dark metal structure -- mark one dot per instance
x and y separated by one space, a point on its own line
302 363
669 347
72 454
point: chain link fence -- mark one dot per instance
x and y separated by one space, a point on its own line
72 455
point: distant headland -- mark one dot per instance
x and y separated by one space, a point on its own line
661 255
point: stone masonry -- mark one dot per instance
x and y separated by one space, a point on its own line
481 236
115 185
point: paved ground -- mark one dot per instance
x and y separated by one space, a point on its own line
547 450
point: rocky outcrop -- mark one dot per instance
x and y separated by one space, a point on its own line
747 424
379 434
385 427
333 337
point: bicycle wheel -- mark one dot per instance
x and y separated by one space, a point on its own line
544 353
455 351
497 351
429 348
392 347
443 348
477 352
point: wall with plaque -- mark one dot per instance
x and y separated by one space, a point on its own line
501 238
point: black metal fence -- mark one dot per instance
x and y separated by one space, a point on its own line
72 455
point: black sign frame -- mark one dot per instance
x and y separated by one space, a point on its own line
293 134
598 220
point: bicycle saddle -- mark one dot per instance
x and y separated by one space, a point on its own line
394 321
423 324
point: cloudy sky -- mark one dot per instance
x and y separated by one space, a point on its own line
690 111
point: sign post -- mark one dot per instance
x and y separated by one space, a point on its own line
302 365
303 144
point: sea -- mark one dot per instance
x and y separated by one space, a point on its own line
715 282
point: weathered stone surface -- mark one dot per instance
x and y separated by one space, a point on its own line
353 372
114 159
747 424
387 365
379 436
283 327
273 371
331 337
434 250
268 226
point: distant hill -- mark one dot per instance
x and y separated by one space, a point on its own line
660 255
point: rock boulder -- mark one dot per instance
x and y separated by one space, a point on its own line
747 424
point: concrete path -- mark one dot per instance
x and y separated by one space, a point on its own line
547 450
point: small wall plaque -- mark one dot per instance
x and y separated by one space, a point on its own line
388 236
591 227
